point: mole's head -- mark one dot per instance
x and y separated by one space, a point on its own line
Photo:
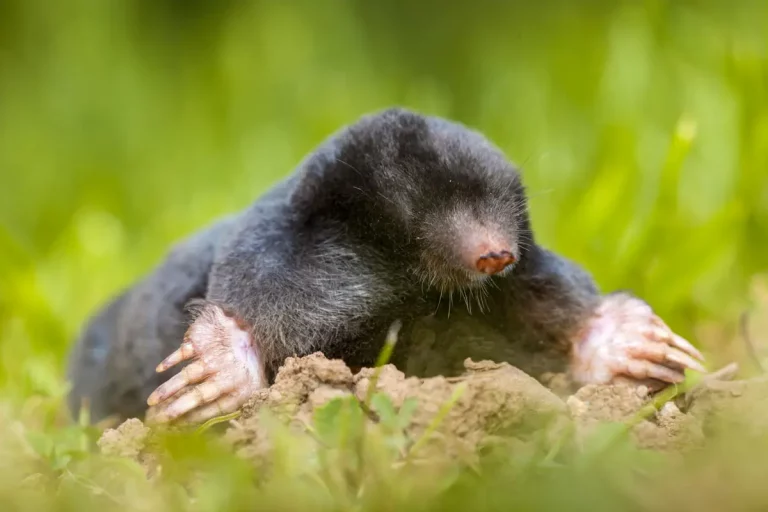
452 203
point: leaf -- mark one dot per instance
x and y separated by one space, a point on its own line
603 438
382 405
60 460
40 442
339 422
406 411
325 419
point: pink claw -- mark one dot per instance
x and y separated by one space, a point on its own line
225 370
624 339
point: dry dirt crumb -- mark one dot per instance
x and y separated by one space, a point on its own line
667 429
131 440
740 405
559 382
127 440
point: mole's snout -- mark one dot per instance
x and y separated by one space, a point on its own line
486 249
494 262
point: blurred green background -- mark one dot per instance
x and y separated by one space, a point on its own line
642 129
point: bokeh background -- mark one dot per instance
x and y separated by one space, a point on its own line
642 129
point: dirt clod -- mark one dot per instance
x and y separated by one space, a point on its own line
726 405
127 440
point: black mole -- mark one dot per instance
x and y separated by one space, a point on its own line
399 216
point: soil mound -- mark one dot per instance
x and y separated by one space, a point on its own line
454 416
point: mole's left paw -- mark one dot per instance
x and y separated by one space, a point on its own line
625 340
224 372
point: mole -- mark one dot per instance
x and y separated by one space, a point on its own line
398 218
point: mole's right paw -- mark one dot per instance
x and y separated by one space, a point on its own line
225 371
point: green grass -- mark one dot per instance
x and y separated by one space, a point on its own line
642 129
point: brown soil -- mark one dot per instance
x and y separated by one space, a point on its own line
497 401
498 398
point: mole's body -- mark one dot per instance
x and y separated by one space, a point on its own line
397 217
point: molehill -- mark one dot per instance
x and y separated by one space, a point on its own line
488 401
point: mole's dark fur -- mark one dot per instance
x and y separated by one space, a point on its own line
363 233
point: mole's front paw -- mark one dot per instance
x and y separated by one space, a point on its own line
625 340
225 370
